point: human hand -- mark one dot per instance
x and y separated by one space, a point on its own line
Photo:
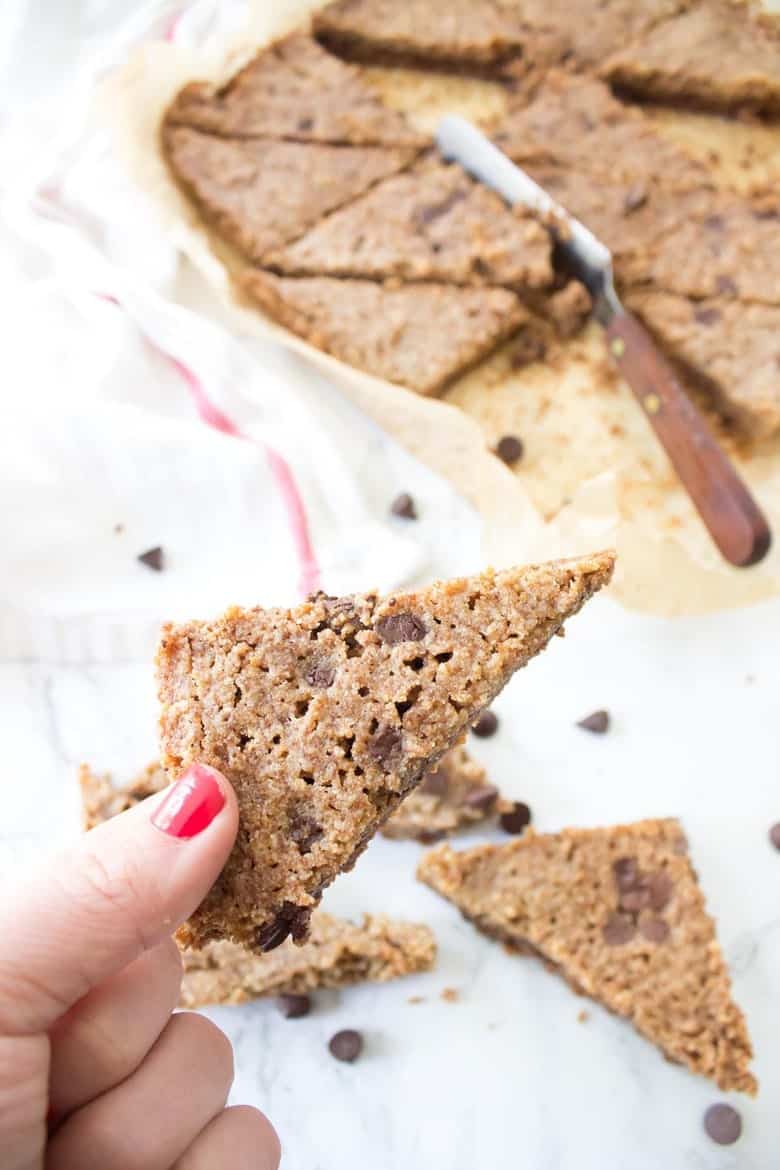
95 1070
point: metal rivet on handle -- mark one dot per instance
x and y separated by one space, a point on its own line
651 403
618 346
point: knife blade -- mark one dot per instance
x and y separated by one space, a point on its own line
730 513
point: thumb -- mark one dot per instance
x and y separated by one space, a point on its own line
122 889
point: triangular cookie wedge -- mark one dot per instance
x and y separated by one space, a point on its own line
454 795
260 193
420 335
325 716
296 90
337 954
721 55
618 912
430 223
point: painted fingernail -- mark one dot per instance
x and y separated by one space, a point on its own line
191 804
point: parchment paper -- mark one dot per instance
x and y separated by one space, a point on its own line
593 473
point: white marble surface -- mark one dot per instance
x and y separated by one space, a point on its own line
507 1077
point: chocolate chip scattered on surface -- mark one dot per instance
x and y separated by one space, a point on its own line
294 1007
346 1045
517 819
153 558
597 722
404 505
510 449
485 725
774 835
723 1124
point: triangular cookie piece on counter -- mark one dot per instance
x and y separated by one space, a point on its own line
722 56
454 795
295 90
420 335
727 347
618 912
337 954
325 716
260 193
430 223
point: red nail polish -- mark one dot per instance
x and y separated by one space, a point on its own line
191 804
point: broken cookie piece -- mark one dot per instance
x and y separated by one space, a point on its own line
260 193
325 716
293 90
455 794
337 954
418 335
618 912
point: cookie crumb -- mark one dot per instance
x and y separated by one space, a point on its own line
450 995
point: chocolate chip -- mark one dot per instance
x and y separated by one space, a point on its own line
272 935
404 505
655 930
774 835
531 348
385 745
626 871
294 1007
304 830
707 316
485 725
153 559
661 887
482 798
346 1045
727 286
436 210
723 1124
400 627
435 783
517 819
291 919
510 449
431 836
321 675
597 722
618 929
636 197
635 899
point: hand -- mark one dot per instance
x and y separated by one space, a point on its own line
95 1070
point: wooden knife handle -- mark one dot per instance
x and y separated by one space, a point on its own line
733 518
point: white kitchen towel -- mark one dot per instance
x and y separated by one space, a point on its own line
131 422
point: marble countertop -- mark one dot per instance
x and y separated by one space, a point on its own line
508 1075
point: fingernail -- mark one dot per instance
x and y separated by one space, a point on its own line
191 804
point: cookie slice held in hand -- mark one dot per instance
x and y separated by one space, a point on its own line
325 716
619 913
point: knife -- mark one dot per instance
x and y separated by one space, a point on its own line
730 513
